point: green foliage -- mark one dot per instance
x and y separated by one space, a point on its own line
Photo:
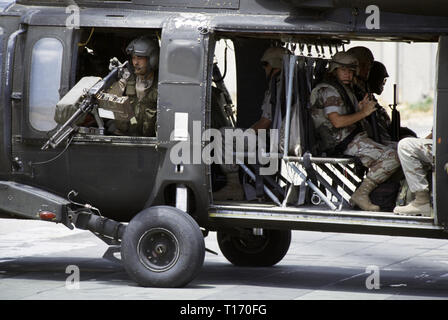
424 105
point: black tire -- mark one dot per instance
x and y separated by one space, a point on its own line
163 247
249 250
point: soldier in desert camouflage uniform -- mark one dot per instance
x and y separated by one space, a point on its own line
369 72
272 63
338 117
416 159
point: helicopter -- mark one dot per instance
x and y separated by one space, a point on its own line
128 190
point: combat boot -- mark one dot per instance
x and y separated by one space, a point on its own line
361 196
232 190
419 206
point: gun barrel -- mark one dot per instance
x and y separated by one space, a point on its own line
61 133
55 140
395 94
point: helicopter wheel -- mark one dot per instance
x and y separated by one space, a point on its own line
248 250
163 247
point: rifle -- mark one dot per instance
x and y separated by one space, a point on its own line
88 104
395 124
228 107
374 122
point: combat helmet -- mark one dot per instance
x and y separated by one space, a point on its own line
363 54
274 56
377 77
365 60
343 59
145 47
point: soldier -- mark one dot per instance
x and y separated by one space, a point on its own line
365 63
375 84
416 159
141 86
337 114
377 78
272 62
372 73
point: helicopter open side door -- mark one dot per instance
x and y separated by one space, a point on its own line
440 135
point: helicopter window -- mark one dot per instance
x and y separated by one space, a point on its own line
118 115
45 80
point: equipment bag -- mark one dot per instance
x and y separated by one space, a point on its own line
385 195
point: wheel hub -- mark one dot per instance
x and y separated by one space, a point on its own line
158 249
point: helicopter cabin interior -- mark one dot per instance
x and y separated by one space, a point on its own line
304 179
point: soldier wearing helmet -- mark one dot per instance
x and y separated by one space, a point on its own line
370 79
337 115
375 84
365 61
377 77
271 61
140 84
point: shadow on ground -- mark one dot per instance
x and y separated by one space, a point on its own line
409 282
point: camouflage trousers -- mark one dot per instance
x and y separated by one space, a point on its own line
416 159
381 160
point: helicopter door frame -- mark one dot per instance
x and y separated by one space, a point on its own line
440 135
10 37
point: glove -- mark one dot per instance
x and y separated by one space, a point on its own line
114 63
124 73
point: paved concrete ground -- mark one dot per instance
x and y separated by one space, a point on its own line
34 256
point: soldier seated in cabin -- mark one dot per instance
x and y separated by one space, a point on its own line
338 118
131 102
140 86
417 159
271 62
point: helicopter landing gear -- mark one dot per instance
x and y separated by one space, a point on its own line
163 247
254 249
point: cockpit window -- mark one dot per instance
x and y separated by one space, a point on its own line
45 80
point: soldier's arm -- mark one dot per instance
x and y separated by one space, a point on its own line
263 123
265 120
340 121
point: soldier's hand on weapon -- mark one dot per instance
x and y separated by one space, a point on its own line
114 63
123 71
367 106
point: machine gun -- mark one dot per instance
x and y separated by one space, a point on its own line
89 103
